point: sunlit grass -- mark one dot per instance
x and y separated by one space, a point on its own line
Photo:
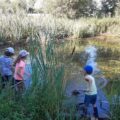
17 28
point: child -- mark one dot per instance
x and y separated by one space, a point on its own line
20 70
91 92
6 63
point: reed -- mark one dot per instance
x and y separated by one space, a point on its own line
17 28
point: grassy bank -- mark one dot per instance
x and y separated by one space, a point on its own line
17 28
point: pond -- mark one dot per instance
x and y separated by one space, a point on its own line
72 54
102 102
108 62
107 58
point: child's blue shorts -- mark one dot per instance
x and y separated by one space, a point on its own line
90 99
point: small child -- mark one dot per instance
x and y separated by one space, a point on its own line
20 70
91 92
6 69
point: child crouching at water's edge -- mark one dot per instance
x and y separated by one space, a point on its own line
20 64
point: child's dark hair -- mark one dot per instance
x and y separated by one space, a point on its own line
18 59
7 53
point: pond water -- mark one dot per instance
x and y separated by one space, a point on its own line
106 59
102 102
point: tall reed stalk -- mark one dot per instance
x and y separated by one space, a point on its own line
47 88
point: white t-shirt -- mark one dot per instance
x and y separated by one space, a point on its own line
91 86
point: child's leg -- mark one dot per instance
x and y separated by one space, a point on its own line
95 111
13 81
94 99
10 78
87 102
16 85
4 79
21 86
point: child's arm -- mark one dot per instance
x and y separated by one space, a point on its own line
28 74
89 81
86 90
12 68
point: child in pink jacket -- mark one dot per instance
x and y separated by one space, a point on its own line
20 69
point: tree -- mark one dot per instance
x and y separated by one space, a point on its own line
109 7
72 8
117 11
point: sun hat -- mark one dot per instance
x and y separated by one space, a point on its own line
88 69
23 53
10 50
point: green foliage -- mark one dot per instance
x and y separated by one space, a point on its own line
114 96
46 94
71 9
44 99
13 6
109 7
17 29
63 8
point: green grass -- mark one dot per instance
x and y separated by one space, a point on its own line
53 65
51 74
44 99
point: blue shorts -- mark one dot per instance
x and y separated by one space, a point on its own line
90 99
